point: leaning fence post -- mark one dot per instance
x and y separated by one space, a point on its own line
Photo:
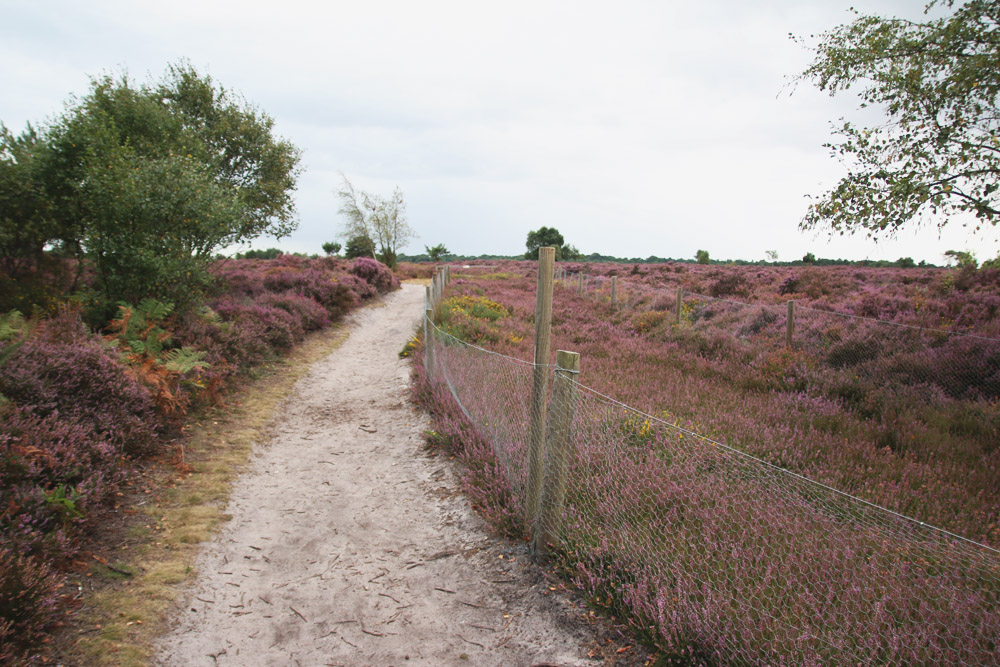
614 291
539 381
790 324
560 421
680 298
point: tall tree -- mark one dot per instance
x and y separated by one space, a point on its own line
150 180
381 220
436 252
544 237
26 223
939 151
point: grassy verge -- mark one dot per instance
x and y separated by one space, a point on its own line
135 574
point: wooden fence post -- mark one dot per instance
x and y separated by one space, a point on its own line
790 324
680 299
580 288
614 291
539 382
558 451
429 342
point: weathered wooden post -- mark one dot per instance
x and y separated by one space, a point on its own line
680 299
429 335
614 291
580 288
790 324
557 455
539 382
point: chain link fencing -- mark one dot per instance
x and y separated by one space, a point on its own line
719 557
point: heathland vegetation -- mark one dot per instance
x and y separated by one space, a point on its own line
887 395
861 401
82 407
118 318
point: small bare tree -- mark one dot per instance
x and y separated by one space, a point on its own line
381 220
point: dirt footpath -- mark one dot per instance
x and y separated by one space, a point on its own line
348 544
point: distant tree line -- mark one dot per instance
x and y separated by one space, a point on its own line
595 258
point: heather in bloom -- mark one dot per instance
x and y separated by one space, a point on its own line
77 407
734 514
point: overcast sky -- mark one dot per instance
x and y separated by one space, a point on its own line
636 128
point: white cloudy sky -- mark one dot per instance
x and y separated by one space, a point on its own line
637 127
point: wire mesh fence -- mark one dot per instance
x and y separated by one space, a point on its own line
494 393
720 557
730 560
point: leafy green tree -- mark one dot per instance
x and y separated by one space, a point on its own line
437 252
268 253
331 248
809 258
381 220
26 223
148 181
30 277
359 246
939 152
905 263
159 223
569 253
962 258
702 257
544 237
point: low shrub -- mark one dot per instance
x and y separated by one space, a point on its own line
63 370
309 312
375 273
278 328
731 284
55 472
29 595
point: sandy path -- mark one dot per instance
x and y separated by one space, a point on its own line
348 545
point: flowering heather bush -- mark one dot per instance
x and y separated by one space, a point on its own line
309 312
55 472
66 372
277 328
375 273
28 604
268 305
357 287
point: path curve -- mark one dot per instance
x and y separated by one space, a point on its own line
348 544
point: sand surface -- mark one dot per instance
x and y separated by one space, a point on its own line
349 544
